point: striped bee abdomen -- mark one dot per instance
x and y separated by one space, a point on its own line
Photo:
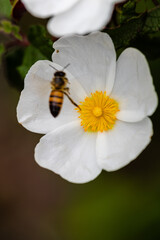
55 102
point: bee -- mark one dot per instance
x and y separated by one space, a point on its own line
59 88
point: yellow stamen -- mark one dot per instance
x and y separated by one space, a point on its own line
98 112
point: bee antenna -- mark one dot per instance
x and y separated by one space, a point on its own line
53 67
65 66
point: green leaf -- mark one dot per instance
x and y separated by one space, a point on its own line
151 3
152 23
5 8
124 34
40 39
6 26
15 32
13 59
31 55
140 6
126 12
18 61
135 27
145 5
2 50
9 28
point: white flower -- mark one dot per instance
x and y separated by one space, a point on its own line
116 122
72 16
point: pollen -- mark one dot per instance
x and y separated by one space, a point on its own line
98 112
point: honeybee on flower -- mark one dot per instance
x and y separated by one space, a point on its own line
111 127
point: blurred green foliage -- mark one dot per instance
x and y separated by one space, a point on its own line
123 35
134 23
5 8
152 23
114 207
18 60
12 60
9 28
39 38
2 50
31 55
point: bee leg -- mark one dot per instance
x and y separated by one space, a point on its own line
66 80
71 100
52 86
67 89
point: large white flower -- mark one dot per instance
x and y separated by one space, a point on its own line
112 127
72 16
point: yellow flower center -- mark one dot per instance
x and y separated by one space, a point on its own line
98 112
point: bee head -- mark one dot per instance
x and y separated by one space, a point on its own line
59 74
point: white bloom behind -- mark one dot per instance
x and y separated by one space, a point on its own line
72 16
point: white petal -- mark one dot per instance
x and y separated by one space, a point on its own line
119 146
133 87
33 107
92 60
84 17
47 8
69 152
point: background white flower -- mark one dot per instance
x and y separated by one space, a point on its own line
67 149
72 16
